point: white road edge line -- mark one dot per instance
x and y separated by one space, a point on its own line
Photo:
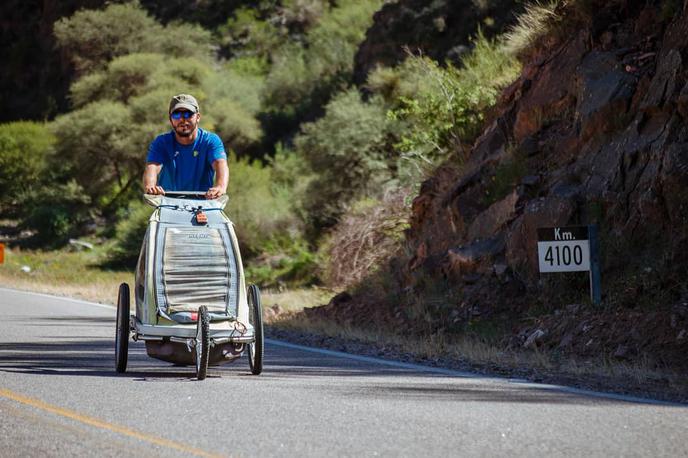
411 366
465 374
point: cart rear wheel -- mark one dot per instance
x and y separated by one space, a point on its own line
122 332
202 342
255 349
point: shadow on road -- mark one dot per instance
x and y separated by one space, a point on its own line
95 358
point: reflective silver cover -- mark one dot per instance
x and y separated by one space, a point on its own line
197 268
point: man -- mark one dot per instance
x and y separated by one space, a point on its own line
187 157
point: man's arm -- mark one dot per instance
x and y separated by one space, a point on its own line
150 179
221 179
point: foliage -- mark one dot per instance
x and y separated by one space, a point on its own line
304 74
260 208
444 107
531 26
92 38
284 260
246 33
346 151
100 147
55 211
23 150
129 234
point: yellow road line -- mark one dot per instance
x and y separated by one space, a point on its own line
102 424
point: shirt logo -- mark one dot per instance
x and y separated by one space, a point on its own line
195 153
176 153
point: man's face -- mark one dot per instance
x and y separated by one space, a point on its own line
184 122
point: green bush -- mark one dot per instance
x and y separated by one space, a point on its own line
129 233
306 72
346 150
260 209
55 212
444 108
284 260
24 147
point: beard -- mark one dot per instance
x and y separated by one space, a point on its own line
185 131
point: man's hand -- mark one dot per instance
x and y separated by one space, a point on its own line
154 190
214 192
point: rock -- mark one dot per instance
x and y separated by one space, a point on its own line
466 258
499 269
604 93
80 245
530 180
549 96
682 102
566 341
497 215
573 308
25 269
621 352
534 339
664 82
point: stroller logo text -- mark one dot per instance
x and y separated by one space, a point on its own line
199 236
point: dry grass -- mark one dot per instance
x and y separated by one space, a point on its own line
63 273
367 236
531 26
295 299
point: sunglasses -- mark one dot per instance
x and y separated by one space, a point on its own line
177 115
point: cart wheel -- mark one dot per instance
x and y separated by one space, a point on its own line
122 332
202 342
255 349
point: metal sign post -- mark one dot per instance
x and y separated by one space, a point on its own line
595 277
571 249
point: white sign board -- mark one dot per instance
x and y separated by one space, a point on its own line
563 249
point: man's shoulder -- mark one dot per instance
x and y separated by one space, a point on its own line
213 142
210 137
163 140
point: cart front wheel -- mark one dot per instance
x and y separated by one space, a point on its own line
122 332
255 349
202 342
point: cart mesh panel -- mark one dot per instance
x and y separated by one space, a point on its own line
197 269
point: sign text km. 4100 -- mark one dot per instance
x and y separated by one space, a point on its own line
564 249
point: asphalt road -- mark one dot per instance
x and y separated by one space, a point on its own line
60 396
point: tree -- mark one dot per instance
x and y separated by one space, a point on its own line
346 149
24 147
92 38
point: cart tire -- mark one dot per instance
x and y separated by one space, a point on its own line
256 348
122 331
202 342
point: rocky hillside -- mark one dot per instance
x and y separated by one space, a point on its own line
594 131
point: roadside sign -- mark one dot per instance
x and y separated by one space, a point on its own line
564 249
571 249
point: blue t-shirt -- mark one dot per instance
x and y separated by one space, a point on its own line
186 167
